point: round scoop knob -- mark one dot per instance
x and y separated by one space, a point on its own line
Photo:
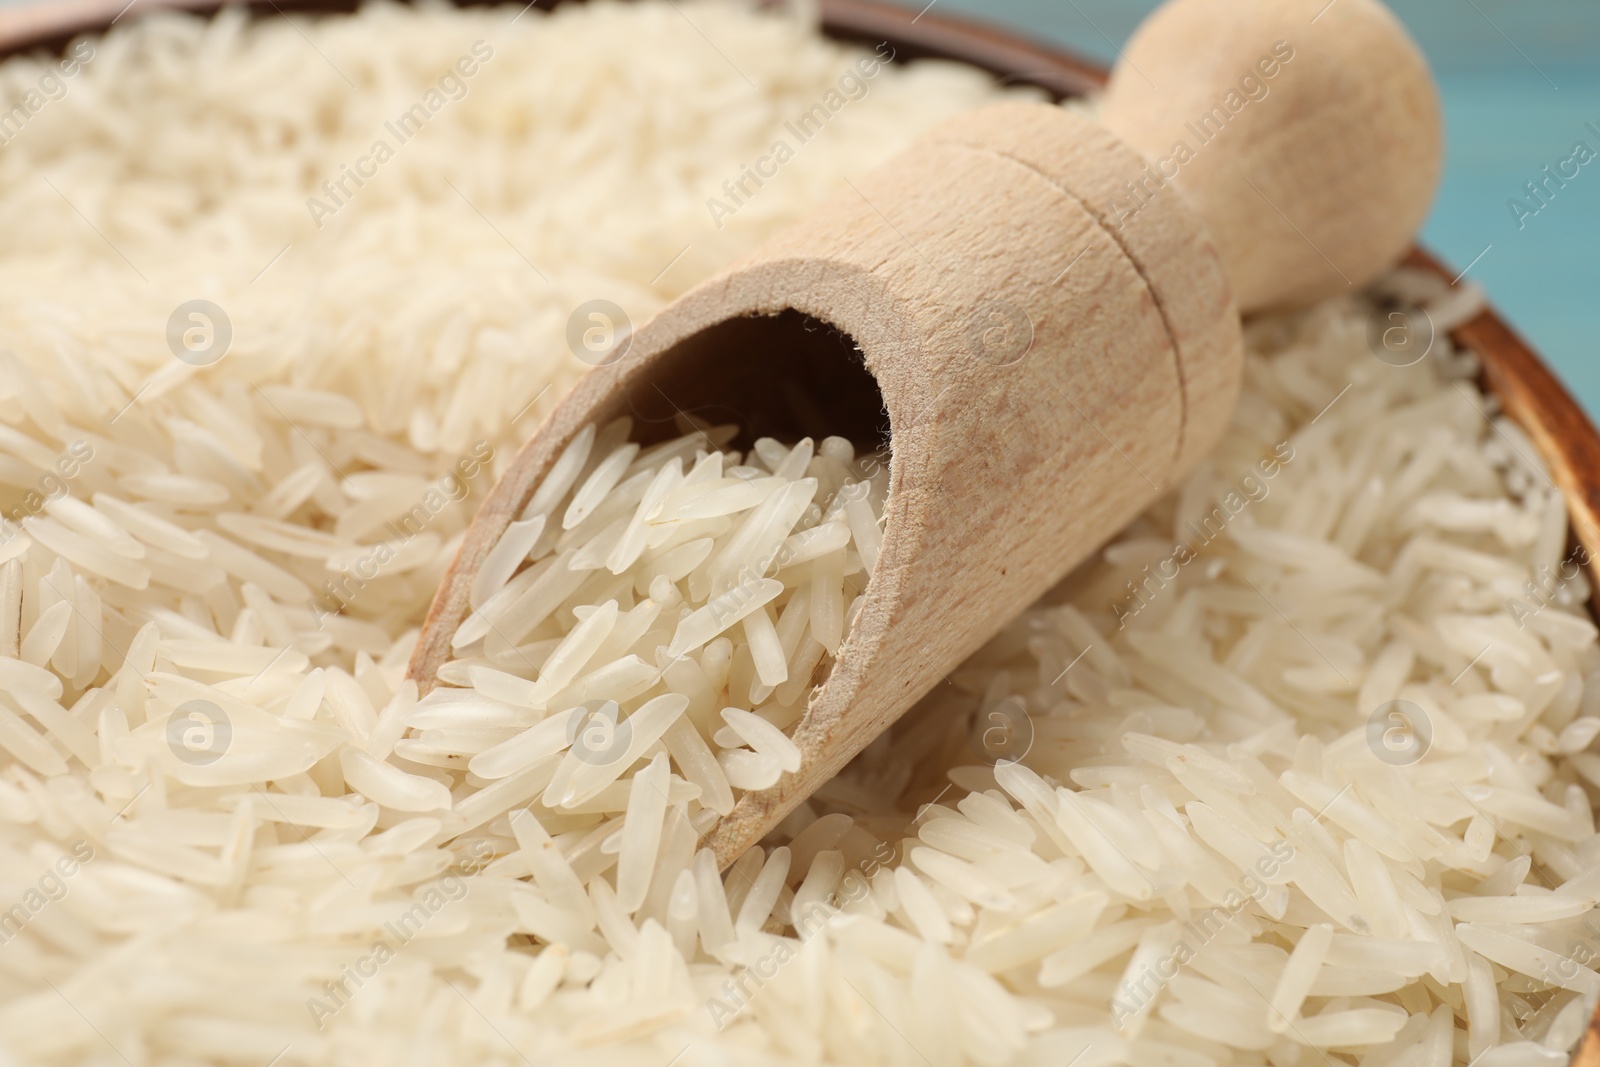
1309 143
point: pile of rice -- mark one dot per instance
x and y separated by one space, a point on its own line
1299 770
648 602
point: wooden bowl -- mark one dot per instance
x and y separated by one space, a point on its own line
1518 378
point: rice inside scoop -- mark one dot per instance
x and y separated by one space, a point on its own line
677 601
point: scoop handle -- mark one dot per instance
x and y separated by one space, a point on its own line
1305 135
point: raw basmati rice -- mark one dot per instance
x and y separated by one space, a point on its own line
1317 788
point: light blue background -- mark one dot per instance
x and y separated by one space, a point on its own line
1520 78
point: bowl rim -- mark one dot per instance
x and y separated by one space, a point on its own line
1511 371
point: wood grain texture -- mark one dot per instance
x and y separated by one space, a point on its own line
1165 242
1311 149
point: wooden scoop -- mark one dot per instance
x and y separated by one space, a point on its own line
1047 312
